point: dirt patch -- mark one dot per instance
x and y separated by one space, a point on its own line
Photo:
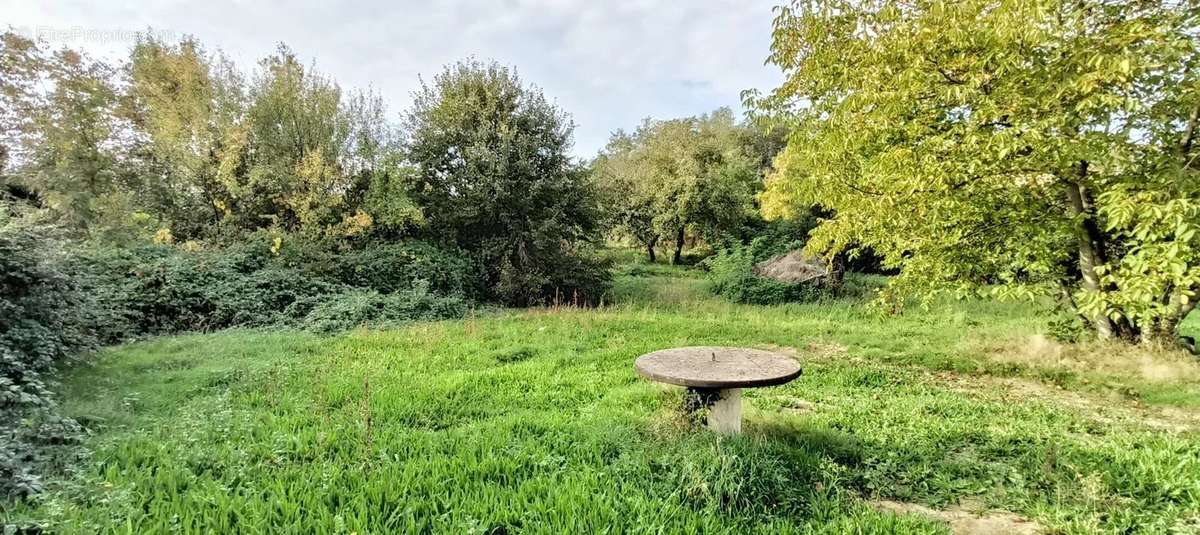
966 522
794 405
1153 364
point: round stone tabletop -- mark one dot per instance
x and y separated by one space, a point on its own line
717 367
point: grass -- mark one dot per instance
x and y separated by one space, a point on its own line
533 421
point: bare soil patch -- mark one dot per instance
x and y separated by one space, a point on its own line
966 522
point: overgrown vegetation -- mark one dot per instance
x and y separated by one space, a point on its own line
731 271
186 195
158 289
42 324
534 421
974 149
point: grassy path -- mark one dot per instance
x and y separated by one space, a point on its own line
534 422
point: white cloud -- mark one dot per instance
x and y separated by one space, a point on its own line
608 63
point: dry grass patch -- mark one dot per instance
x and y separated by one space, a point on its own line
1150 363
963 521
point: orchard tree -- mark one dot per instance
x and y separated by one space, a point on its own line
626 191
1015 148
493 176
669 178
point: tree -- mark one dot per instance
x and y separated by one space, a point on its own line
1015 148
669 178
625 191
287 150
192 110
493 176
61 138
22 63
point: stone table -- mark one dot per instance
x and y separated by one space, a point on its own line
715 376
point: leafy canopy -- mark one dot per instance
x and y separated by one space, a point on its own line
691 175
1022 147
493 175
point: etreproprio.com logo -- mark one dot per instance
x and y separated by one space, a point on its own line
85 34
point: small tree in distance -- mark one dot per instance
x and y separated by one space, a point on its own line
691 175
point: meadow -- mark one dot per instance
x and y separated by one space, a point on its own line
533 421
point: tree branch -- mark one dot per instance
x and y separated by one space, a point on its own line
949 77
1189 134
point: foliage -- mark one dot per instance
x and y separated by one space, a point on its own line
731 275
1020 148
494 177
357 308
157 289
60 141
42 324
669 178
731 271
390 267
180 139
178 146
160 289
393 425
192 108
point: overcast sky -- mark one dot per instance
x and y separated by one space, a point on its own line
609 63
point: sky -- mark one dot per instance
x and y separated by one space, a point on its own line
609 63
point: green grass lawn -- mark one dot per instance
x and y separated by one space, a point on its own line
534 422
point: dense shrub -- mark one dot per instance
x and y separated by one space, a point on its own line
731 275
355 308
157 289
564 277
42 319
391 267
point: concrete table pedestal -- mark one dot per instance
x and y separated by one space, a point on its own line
725 413
715 377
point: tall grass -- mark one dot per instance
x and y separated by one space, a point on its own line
534 422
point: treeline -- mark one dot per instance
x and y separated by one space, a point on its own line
177 145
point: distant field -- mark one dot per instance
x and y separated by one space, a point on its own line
533 421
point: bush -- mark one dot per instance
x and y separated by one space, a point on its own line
396 266
565 277
731 275
356 308
42 323
159 289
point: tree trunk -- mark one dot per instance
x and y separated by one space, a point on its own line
837 270
650 248
678 258
1092 254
